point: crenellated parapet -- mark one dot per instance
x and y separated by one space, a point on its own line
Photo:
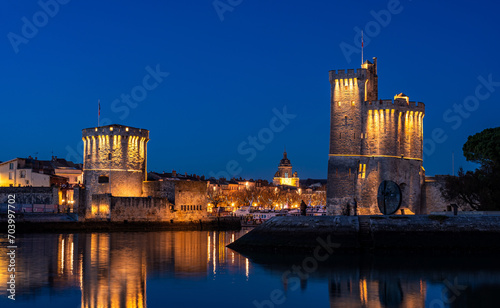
116 130
397 104
359 73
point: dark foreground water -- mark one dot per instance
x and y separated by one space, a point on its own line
195 269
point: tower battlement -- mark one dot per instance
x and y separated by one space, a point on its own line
115 130
398 104
351 73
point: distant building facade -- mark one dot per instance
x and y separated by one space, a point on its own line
284 175
25 176
21 172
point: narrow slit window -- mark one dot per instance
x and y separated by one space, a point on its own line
362 171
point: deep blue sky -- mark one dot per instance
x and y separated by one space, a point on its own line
225 77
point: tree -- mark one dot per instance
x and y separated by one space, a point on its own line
479 189
217 199
484 148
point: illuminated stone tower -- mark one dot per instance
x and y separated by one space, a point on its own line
372 140
115 159
284 174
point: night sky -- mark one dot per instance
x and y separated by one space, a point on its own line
223 70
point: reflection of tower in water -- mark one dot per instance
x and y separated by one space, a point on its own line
114 272
115 266
384 293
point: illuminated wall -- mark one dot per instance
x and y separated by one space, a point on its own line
115 159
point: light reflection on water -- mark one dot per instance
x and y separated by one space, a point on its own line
194 268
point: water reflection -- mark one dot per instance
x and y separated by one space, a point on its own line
374 293
114 271
117 269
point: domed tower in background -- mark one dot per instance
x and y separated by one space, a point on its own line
284 175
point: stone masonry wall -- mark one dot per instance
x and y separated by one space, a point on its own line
191 200
433 200
160 189
140 209
346 184
30 195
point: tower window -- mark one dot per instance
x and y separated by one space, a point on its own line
345 120
103 179
340 135
109 156
362 171
339 103
352 103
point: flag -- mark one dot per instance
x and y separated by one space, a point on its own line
99 103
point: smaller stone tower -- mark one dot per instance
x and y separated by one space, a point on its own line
115 158
284 174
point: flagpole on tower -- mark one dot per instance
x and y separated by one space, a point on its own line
362 45
99 112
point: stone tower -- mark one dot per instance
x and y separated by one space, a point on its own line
372 140
115 158
284 175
